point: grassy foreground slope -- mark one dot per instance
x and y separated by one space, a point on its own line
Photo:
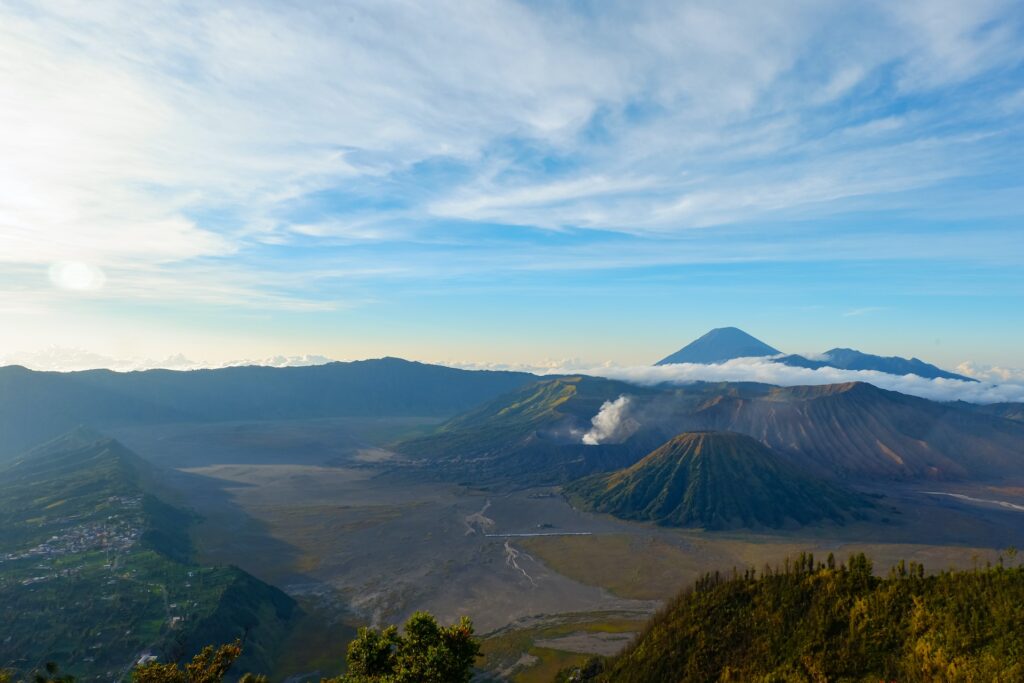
821 622
96 571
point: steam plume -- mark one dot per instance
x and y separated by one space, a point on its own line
612 423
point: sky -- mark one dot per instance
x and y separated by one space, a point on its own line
546 184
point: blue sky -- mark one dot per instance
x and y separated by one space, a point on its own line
511 182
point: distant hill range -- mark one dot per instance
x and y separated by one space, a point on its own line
851 359
843 432
726 343
715 480
96 571
35 406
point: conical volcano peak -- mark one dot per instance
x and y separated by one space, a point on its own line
719 345
715 480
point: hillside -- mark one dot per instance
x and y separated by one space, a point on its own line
35 406
95 570
719 345
715 480
821 622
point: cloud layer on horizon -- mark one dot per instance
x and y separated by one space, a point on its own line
768 372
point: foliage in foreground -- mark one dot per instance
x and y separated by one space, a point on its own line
424 652
822 622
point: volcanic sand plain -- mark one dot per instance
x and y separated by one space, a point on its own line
324 511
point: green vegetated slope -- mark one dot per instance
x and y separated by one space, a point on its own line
812 622
35 406
96 571
715 480
528 437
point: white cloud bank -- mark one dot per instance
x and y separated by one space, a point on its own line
768 372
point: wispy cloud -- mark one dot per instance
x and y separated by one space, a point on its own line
852 313
214 153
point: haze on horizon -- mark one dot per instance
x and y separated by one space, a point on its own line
518 183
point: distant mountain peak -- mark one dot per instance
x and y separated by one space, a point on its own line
719 345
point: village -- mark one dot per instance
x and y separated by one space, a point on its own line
116 533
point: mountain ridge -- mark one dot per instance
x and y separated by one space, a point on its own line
852 430
36 406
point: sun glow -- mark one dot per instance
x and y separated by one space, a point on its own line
76 276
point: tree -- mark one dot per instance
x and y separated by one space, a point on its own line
51 674
209 666
424 653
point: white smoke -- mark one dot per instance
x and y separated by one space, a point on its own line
612 423
768 372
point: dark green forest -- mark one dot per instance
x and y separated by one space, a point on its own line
822 621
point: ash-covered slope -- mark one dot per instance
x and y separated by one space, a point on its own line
715 480
858 430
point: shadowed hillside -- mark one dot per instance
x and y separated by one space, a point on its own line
715 480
